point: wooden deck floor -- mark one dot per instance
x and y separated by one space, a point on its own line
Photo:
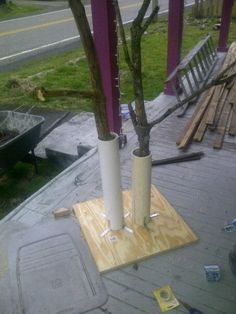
203 192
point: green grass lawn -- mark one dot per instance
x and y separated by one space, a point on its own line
12 10
70 70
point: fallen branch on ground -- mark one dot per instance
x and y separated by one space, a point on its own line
42 93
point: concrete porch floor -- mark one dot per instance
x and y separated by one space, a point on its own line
203 192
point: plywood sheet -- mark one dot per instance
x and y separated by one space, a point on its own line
119 248
221 128
232 128
202 107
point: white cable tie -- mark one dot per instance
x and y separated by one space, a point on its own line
127 214
105 232
154 215
129 230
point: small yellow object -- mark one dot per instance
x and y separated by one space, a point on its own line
165 298
40 95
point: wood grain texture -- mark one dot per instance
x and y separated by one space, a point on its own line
119 248
197 118
213 105
199 134
232 94
232 127
220 107
221 128
213 108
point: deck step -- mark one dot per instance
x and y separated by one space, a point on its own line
70 140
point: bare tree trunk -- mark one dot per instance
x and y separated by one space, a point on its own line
99 101
141 128
134 62
155 3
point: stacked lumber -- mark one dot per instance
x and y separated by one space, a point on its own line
216 110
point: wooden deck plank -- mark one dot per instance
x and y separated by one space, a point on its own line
213 105
129 295
199 134
194 122
232 127
157 278
221 127
115 305
187 267
181 287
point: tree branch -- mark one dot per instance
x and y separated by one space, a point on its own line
141 13
41 93
150 18
132 114
99 101
122 35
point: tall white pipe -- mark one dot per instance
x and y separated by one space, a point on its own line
111 181
141 188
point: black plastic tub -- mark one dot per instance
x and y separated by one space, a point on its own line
27 129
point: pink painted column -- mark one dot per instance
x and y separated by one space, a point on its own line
175 32
105 37
225 25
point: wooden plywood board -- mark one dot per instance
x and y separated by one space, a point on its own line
221 128
221 105
232 128
202 107
199 134
119 248
213 105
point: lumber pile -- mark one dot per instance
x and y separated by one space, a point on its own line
215 112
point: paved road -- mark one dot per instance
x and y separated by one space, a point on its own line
39 35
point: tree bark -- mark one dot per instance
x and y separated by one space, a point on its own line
134 62
99 101
141 117
155 3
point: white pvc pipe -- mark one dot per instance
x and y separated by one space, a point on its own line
111 181
141 188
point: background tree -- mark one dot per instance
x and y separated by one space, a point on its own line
133 58
207 8
3 2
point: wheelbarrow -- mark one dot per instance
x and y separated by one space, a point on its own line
19 135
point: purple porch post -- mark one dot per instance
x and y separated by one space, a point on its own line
175 32
105 37
225 24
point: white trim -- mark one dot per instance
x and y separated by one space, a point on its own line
32 16
38 48
36 15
